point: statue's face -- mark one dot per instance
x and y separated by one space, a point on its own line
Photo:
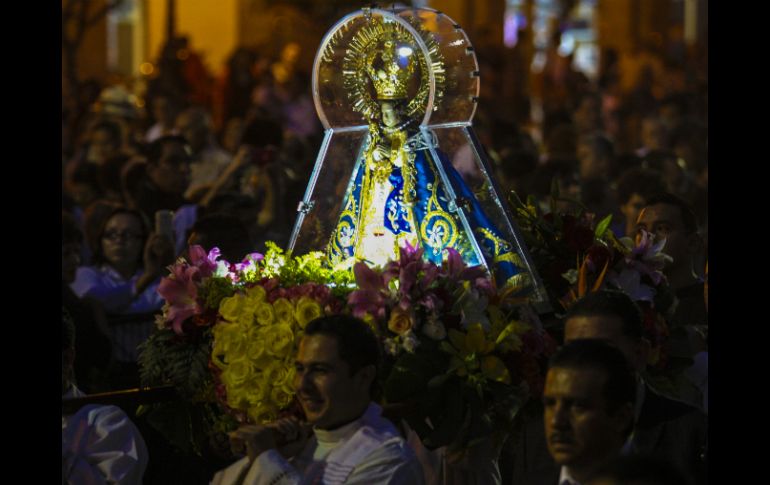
389 115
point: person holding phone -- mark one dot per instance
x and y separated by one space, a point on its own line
128 262
337 366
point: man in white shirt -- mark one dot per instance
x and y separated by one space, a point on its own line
99 443
337 365
589 400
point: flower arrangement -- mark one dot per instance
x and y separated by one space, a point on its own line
575 254
458 347
225 331
228 333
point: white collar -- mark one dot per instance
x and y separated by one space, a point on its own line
344 432
337 435
565 475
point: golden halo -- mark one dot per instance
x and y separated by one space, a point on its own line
360 49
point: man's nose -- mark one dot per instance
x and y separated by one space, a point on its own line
560 416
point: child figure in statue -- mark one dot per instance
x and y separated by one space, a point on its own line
387 216
398 195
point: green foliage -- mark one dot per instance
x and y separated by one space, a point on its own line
602 227
166 359
214 289
308 268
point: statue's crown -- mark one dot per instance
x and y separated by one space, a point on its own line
391 68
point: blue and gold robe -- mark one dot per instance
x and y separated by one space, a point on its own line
403 199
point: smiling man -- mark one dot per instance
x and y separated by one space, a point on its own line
588 399
337 365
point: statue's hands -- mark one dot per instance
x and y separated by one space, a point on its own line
380 153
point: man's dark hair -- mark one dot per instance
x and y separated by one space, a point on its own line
610 303
643 181
642 469
356 343
620 385
154 150
689 221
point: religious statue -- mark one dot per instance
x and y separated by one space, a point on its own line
403 188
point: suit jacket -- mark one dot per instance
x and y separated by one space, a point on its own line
667 429
673 431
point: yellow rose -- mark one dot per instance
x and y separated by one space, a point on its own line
281 374
255 388
256 294
280 340
280 397
307 310
230 339
264 313
401 321
284 311
276 373
231 307
238 372
256 345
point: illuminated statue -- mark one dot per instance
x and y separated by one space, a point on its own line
393 72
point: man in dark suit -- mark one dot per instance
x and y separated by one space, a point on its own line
663 427
588 403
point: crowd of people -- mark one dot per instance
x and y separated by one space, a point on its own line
231 157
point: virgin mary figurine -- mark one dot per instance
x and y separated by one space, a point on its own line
396 91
